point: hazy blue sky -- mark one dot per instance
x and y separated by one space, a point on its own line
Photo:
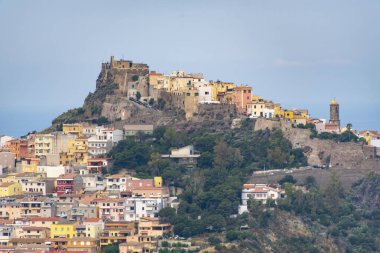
300 53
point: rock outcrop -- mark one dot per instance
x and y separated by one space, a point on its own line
321 152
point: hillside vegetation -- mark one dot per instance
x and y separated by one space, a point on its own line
316 220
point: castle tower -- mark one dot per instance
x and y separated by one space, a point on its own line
334 113
112 62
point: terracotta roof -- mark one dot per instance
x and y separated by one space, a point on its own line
44 219
111 200
148 188
260 188
118 176
7 184
98 159
92 220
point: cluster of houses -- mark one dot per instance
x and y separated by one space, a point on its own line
55 194
81 211
190 90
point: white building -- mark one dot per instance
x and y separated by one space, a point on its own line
4 139
375 143
110 134
54 171
268 113
136 208
35 187
260 192
98 147
186 155
6 233
93 182
205 94
103 133
117 182
89 131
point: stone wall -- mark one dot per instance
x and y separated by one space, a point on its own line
216 112
319 152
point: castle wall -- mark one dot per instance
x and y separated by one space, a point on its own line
319 152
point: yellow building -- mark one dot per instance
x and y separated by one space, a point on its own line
63 230
153 227
278 112
78 152
30 165
72 129
157 181
220 87
10 211
256 108
82 244
43 144
288 114
116 232
298 116
138 244
10 189
94 227
159 81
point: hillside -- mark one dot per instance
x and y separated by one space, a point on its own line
324 218
328 216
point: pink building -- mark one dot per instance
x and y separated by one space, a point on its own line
242 97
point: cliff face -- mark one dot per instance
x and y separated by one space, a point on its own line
367 191
320 152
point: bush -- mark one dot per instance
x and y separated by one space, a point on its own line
165 244
135 78
287 179
232 235
213 240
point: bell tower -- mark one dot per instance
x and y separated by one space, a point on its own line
334 113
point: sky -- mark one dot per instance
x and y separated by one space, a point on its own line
301 53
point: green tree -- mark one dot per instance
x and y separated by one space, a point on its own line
277 157
157 164
160 103
102 121
334 193
311 183
226 157
287 179
167 215
138 95
135 78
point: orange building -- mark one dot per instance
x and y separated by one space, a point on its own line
19 147
242 97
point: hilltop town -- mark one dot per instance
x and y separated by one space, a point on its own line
151 162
